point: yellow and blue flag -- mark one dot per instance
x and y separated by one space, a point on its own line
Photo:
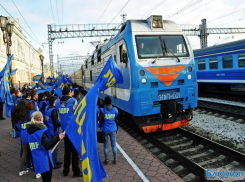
109 75
6 80
37 77
82 129
13 72
61 85
42 84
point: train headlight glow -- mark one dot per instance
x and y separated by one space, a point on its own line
143 80
189 76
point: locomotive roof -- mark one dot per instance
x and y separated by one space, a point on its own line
235 45
140 26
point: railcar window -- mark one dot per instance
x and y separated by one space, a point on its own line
161 46
241 60
91 76
175 44
213 63
201 64
227 62
149 47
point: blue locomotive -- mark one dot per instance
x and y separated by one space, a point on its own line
157 64
222 65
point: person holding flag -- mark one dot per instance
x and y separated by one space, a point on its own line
82 128
66 106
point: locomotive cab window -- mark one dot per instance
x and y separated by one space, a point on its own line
227 62
91 76
241 60
213 63
161 46
201 64
123 53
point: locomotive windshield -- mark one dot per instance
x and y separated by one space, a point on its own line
152 46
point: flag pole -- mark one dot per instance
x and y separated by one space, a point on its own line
57 144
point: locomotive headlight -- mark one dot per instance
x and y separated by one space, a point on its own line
190 69
154 24
142 72
143 80
189 76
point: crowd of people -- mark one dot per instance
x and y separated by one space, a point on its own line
40 121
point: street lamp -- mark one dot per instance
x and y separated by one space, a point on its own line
7 29
42 58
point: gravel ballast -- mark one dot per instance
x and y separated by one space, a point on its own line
223 131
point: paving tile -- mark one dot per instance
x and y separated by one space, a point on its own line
152 168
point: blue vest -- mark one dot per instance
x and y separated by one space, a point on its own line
40 105
23 132
47 102
109 124
40 155
49 121
13 98
35 106
65 113
17 100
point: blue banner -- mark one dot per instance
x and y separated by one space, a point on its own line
82 129
109 75
37 77
2 91
61 85
48 89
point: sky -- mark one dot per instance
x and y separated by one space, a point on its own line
39 13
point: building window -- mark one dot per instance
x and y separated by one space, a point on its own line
201 64
213 63
241 60
227 62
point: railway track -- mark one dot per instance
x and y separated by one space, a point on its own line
187 154
223 109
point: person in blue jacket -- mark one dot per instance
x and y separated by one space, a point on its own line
53 124
32 104
110 127
21 117
41 103
40 146
66 106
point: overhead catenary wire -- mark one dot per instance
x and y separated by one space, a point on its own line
155 7
104 11
226 15
57 12
189 5
20 26
119 12
52 11
26 22
194 9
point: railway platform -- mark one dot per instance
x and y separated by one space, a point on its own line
134 163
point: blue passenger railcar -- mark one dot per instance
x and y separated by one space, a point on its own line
157 64
222 65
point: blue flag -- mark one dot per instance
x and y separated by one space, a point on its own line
109 75
2 98
82 132
13 72
49 80
37 77
42 84
69 80
82 129
61 85
6 79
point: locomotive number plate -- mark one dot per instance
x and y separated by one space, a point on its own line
169 96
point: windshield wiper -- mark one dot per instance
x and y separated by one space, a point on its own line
169 50
156 58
